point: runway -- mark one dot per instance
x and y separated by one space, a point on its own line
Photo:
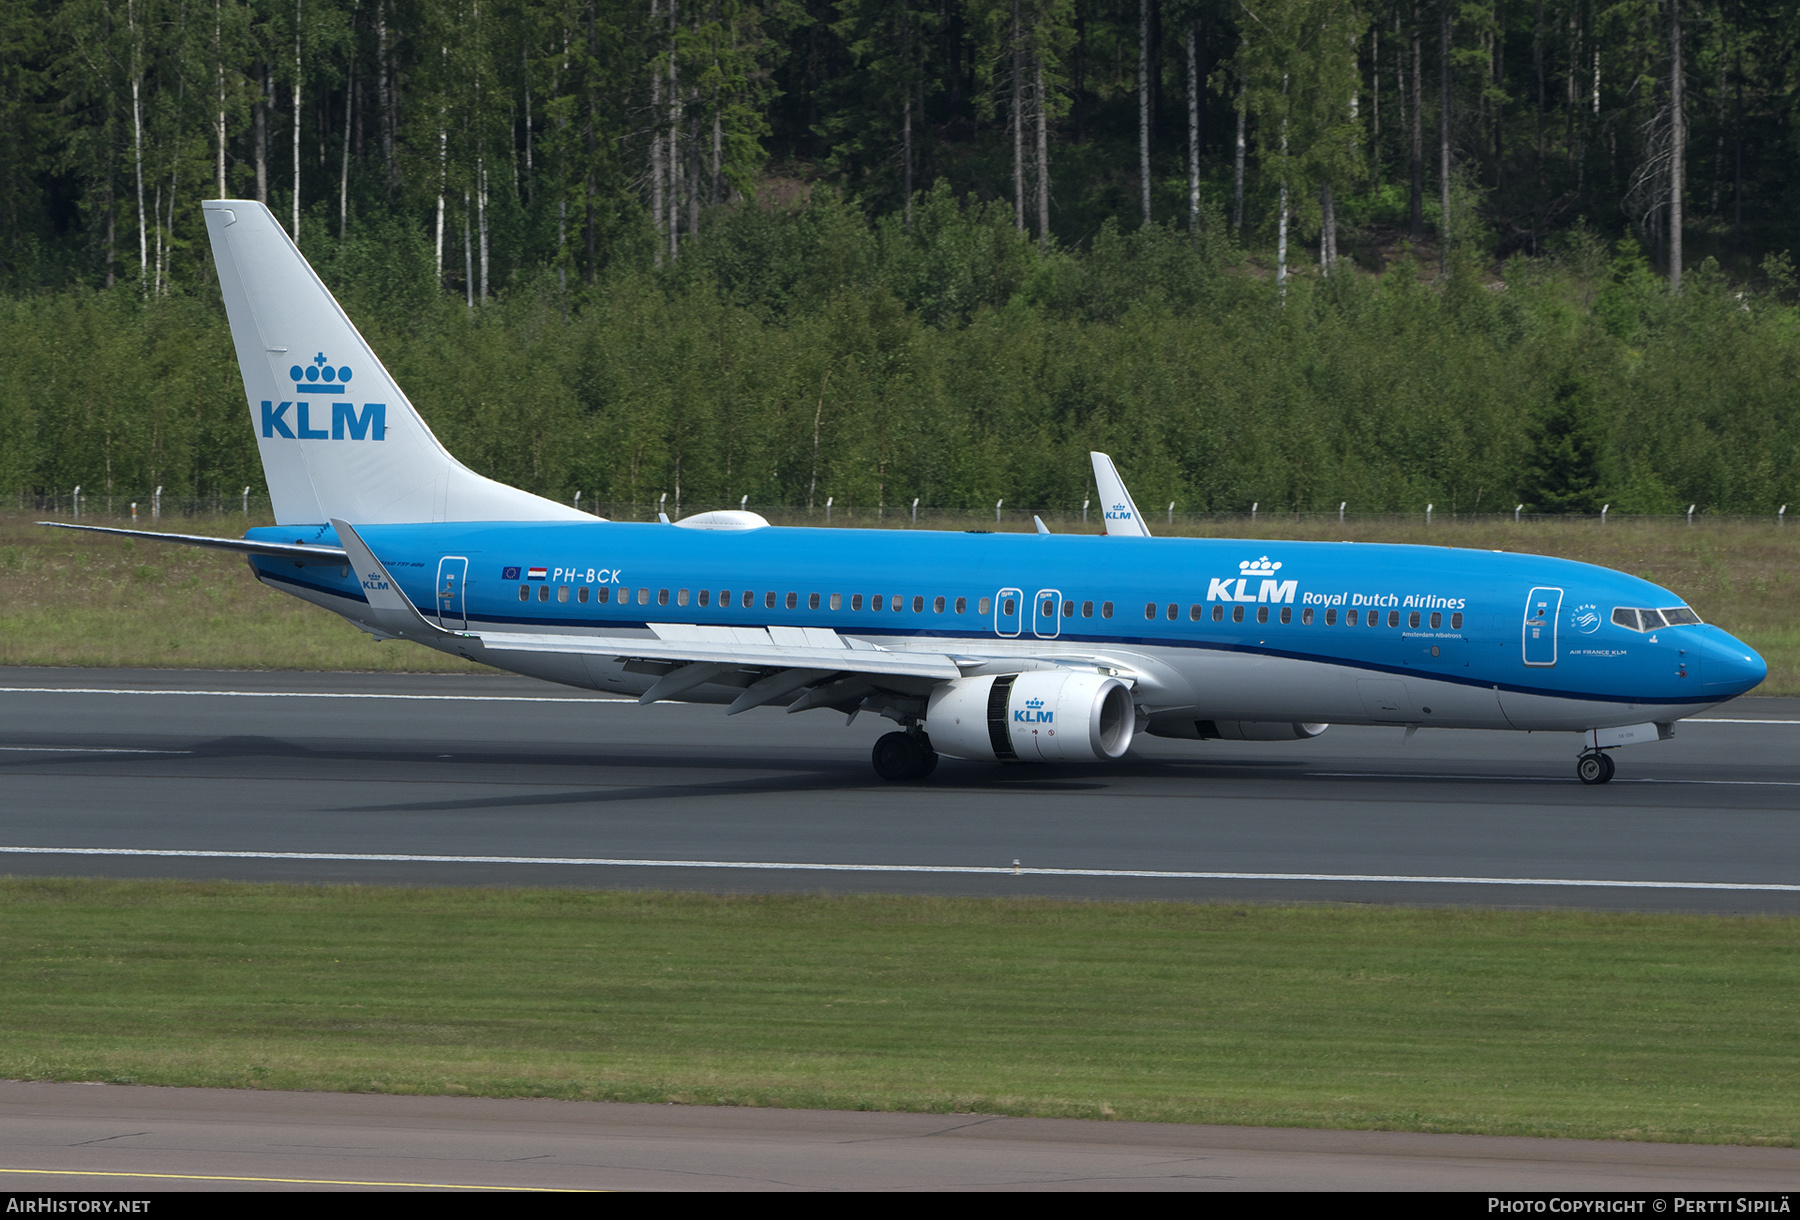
134 1141
477 780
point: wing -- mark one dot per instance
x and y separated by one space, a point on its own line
814 666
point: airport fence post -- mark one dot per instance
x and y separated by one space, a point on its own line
1253 506
1084 508
997 504
134 512
745 502
1517 509
246 501
156 505
577 501
1341 504
1171 514
76 498
1603 512
1781 515
1428 509
1690 514
915 510
828 500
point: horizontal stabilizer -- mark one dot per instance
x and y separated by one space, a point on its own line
299 552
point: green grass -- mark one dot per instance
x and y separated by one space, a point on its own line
74 599
1630 1026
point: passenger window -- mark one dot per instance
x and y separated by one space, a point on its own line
543 593
877 602
812 601
1008 607
1412 620
856 601
962 606
705 594
562 593
1218 614
1353 618
918 604
1087 609
1150 610
1331 617
1456 622
524 593
769 600
1173 612
1262 614
681 597
643 597
662 597
1437 620
984 605
603 595
937 605
1306 617
1195 610
724 597
581 594
1105 609
837 601
1048 609
1237 614
1393 618
1068 609
1287 614
793 601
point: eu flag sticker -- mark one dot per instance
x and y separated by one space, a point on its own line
509 573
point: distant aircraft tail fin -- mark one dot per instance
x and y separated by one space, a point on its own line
336 435
1122 516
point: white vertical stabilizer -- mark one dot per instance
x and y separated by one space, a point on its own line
1122 517
336 435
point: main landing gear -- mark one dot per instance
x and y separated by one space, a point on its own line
1594 767
906 755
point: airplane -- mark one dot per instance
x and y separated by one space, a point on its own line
986 646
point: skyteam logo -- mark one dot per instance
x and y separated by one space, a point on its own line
321 379
1586 619
1033 713
1269 588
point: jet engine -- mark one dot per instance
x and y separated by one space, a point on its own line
1051 715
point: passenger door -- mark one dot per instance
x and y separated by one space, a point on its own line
1543 610
1008 612
453 571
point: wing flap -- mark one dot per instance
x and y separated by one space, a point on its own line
769 655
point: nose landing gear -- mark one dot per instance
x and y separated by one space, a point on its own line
1594 767
902 756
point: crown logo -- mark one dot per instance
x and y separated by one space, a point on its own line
1258 567
1034 703
319 376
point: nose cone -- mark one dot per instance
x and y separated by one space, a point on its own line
1728 666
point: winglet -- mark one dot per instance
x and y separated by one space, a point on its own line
391 609
1122 516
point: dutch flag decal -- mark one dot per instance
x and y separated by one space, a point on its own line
537 573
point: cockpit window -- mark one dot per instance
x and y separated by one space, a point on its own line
1651 620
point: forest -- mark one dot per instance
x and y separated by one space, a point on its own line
1287 253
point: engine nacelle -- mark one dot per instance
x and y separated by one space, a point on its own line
1235 730
1049 715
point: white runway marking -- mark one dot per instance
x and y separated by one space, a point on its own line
307 694
84 750
1548 779
964 869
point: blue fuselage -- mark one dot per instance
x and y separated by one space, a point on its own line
1498 639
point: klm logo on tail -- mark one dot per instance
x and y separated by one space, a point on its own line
323 379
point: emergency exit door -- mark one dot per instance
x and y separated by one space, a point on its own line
1543 610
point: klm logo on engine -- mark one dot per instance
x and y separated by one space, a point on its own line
1269 588
1033 713
321 379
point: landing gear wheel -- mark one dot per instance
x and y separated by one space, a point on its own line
902 756
1594 768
